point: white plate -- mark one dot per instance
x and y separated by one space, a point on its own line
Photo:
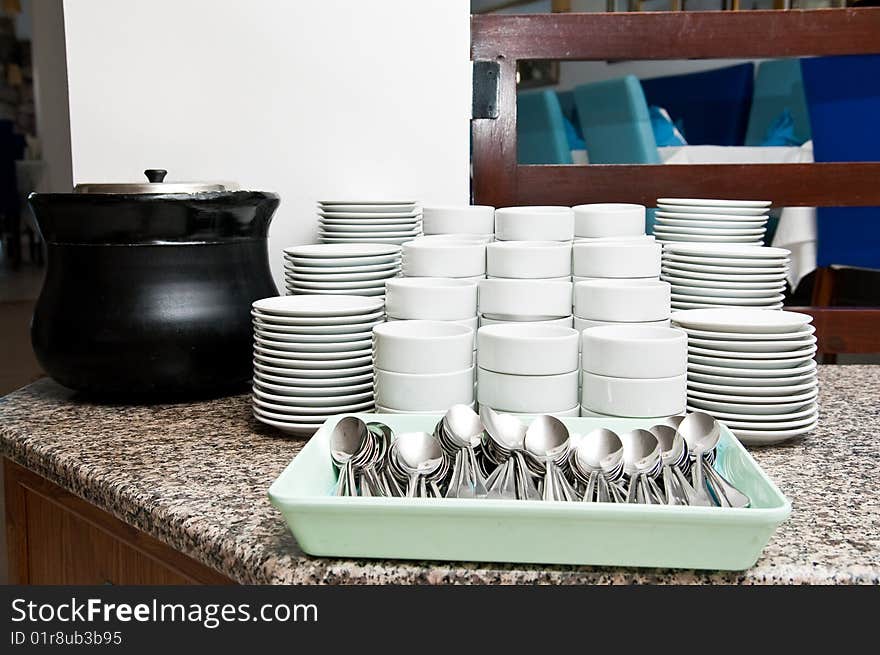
742 346
677 305
378 269
713 202
373 202
293 306
279 372
739 371
803 333
314 350
351 329
724 273
771 295
366 235
298 364
358 250
736 390
770 437
773 425
369 209
743 320
335 285
278 411
749 363
751 409
770 285
388 230
674 214
316 386
725 250
273 320
809 409
716 224
696 376
742 399
312 399
281 350
660 228
370 215
398 241
671 238
389 223
319 341
291 427
343 277
347 264
703 209
719 260
731 299
807 351
297 290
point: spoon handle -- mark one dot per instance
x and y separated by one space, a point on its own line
691 496
732 496
700 488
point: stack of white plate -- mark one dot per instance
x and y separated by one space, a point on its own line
371 221
753 370
711 221
353 269
706 275
312 359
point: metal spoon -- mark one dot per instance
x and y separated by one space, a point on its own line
462 427
641 461
547 441
600 454
347 440
512 478
419 455
702 432
674 454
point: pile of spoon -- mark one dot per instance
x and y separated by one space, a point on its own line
493 455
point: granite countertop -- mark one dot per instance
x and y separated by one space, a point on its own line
195 476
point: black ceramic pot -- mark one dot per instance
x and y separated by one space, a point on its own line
149 287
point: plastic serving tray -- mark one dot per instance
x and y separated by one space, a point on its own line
527 531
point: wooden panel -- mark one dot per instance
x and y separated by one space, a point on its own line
56 537
845 330
677 35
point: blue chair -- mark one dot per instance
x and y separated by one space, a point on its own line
778 87
711 106
615 122
540 129
843 96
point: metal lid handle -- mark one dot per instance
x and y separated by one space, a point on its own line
156 175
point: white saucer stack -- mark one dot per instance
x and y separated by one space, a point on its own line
609 221
706 275
355 269
371 221
753 370
312 359
711 221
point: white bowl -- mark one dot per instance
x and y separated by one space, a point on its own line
580 278
528 259
422 347
456 238
538 299
565 321
634 398
581 324
609 219
616 259
532 394
534 224
435 299
443 259
639 238
437 410
527 349
458 219
473 323
622 300
634 351
588 412
573 411
426 391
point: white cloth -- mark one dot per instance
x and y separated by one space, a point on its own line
797 225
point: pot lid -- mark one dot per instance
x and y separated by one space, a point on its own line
155 184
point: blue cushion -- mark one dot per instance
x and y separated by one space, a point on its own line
781 131
778 86
665 131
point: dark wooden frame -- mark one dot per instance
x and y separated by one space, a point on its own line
505 39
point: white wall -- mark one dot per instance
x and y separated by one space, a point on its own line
337 98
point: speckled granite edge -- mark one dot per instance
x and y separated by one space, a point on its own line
127 461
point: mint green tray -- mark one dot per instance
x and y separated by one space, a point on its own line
527 531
